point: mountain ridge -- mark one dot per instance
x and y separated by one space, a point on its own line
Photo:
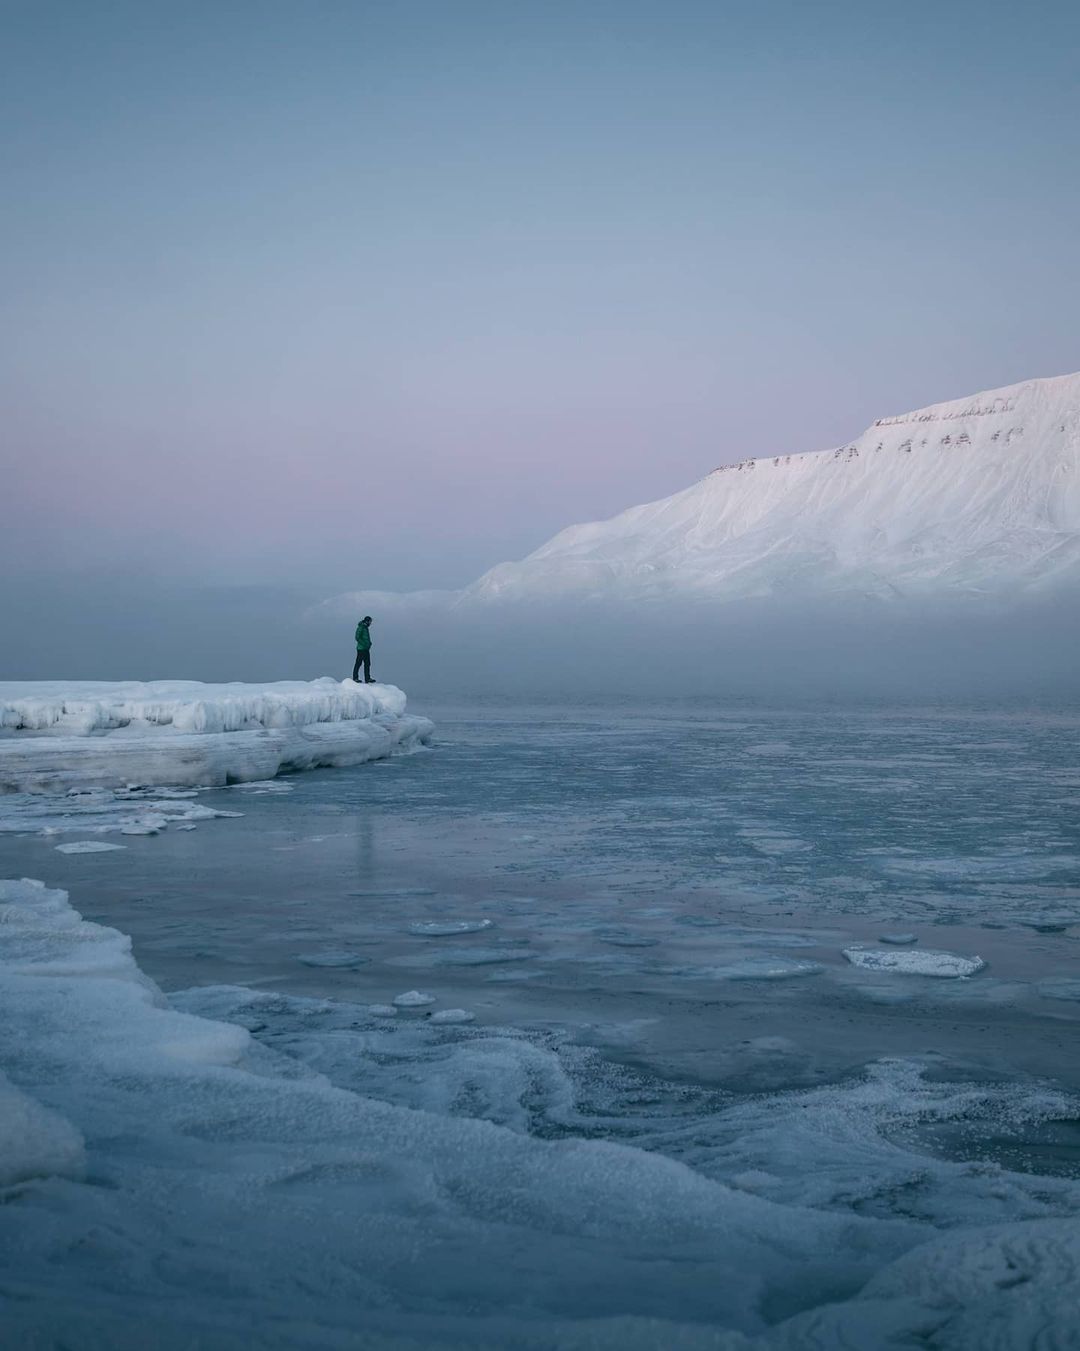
976 495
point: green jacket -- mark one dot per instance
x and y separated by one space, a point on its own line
363 638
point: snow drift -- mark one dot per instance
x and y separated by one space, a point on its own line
99 734
978 495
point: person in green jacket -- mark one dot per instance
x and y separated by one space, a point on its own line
363 651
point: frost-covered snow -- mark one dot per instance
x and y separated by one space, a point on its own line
977 494
59 735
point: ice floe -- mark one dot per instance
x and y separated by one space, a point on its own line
923 962
87 847
103 811
413 999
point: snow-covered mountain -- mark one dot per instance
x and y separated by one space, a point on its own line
978 495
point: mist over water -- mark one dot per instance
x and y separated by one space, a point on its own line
968 649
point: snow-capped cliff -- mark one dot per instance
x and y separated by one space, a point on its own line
980 494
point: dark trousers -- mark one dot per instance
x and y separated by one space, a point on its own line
365 658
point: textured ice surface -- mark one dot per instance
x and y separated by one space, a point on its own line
34 1141
81 708
103 811
923 962
483 1219
888 1130
67 734
434 928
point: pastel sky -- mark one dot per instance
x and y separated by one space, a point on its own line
378 294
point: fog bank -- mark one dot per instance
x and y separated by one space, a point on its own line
970 650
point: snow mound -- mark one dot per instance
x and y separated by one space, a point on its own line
83 734
922 962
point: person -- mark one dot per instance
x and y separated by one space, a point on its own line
363 651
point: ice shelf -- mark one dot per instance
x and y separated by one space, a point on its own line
58 735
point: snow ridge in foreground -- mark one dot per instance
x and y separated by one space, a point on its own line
170 1182
59 735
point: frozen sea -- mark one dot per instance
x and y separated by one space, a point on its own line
722 939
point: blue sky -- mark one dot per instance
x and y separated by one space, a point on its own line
385 293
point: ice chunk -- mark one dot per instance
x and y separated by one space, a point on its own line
453 1016
88 847
925 962
898 940
435 928
382 1010
413 999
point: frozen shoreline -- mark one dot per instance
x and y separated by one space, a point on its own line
133 1124
61 735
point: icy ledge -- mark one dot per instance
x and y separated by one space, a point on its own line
57 735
